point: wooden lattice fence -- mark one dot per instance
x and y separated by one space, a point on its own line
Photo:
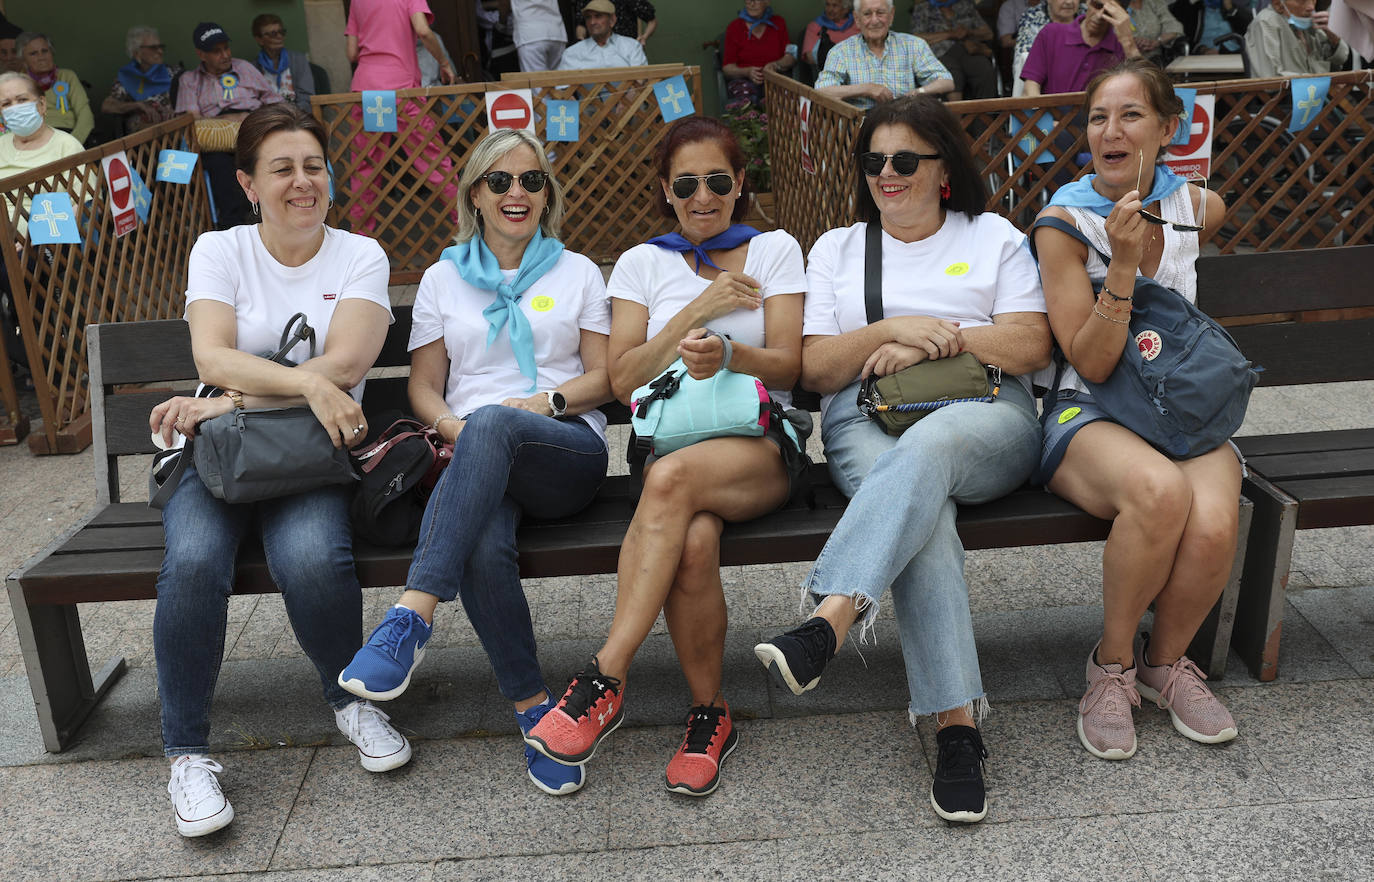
59 289
400 187
1312 189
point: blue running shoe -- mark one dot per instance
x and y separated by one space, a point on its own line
381 670
551 777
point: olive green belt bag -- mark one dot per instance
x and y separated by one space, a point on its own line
898 400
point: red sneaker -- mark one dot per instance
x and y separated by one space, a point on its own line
711 736
590 710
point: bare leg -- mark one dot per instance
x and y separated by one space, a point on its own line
1205 554
734 478
695 610
1110 472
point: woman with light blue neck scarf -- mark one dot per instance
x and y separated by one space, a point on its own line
1174 522
508 362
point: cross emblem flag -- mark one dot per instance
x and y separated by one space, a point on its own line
50 217
379 110
1309 105
563 119
168 165
1305 110
674 101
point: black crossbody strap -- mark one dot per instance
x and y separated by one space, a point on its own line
873 272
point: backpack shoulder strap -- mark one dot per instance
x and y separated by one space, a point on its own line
1064 227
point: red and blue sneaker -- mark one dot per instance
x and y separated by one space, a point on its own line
590 710
711 736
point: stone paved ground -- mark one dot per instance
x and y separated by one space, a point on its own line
830 785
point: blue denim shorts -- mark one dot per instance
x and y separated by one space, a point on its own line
1073 410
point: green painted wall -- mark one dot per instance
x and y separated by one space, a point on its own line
89 34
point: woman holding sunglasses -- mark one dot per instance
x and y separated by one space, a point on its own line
671 298
954 278
508 362
1174 524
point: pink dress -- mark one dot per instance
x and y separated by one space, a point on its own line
386 60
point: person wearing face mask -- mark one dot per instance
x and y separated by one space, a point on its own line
1290 39
28 141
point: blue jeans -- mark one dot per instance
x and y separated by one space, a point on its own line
309 547
507 462
899 527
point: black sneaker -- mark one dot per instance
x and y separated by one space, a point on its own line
798 657
957 791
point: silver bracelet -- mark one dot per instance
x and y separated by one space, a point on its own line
1101 314
450 415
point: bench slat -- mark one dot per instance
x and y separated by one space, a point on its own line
1305 442
1309 352
145 352
1286 281
1333 502
1281 468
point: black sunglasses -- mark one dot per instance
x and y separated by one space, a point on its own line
719 183
499 182
1198 180
156 47
904 163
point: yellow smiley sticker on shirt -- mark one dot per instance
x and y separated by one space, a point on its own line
956 269
542 303
1068 414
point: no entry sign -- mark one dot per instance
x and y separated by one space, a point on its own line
510 110
121 192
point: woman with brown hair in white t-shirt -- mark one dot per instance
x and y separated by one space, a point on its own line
245 283
673 297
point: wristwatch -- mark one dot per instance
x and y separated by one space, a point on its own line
557 403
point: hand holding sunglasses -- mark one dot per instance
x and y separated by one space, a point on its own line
904 162
1198 180
499 182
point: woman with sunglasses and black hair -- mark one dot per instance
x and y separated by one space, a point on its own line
508 362
673 297
954 278
1174 522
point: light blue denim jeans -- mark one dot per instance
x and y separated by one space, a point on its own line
308 542
507 463
899 527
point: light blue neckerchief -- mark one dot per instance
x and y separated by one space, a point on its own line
480 269
766 18
1080 193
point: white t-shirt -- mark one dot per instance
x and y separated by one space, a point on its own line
662 282
536 20
234 267
970 270
566 300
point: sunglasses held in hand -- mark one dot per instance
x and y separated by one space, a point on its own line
1197 180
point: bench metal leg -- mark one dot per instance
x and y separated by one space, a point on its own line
54 651
1212 643
1268 560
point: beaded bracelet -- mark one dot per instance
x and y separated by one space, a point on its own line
444 416
1109 293
1101 314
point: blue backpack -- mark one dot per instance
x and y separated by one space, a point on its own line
1182 384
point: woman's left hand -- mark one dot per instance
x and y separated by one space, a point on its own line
892 357
756 73
538 403
703 355
183 413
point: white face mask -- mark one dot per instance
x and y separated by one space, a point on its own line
22 119
1301 22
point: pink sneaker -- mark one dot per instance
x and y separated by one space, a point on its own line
1104 715
1178 687
590 710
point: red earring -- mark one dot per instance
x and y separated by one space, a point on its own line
944 191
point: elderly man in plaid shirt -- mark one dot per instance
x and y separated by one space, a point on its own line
877 65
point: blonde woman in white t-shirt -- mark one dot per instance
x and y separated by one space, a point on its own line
726 277
508 361
954 278
245 283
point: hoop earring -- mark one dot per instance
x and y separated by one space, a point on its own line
945 191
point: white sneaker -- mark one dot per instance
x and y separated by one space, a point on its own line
199 803
380 747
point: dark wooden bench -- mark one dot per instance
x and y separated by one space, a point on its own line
1311 316
115 551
